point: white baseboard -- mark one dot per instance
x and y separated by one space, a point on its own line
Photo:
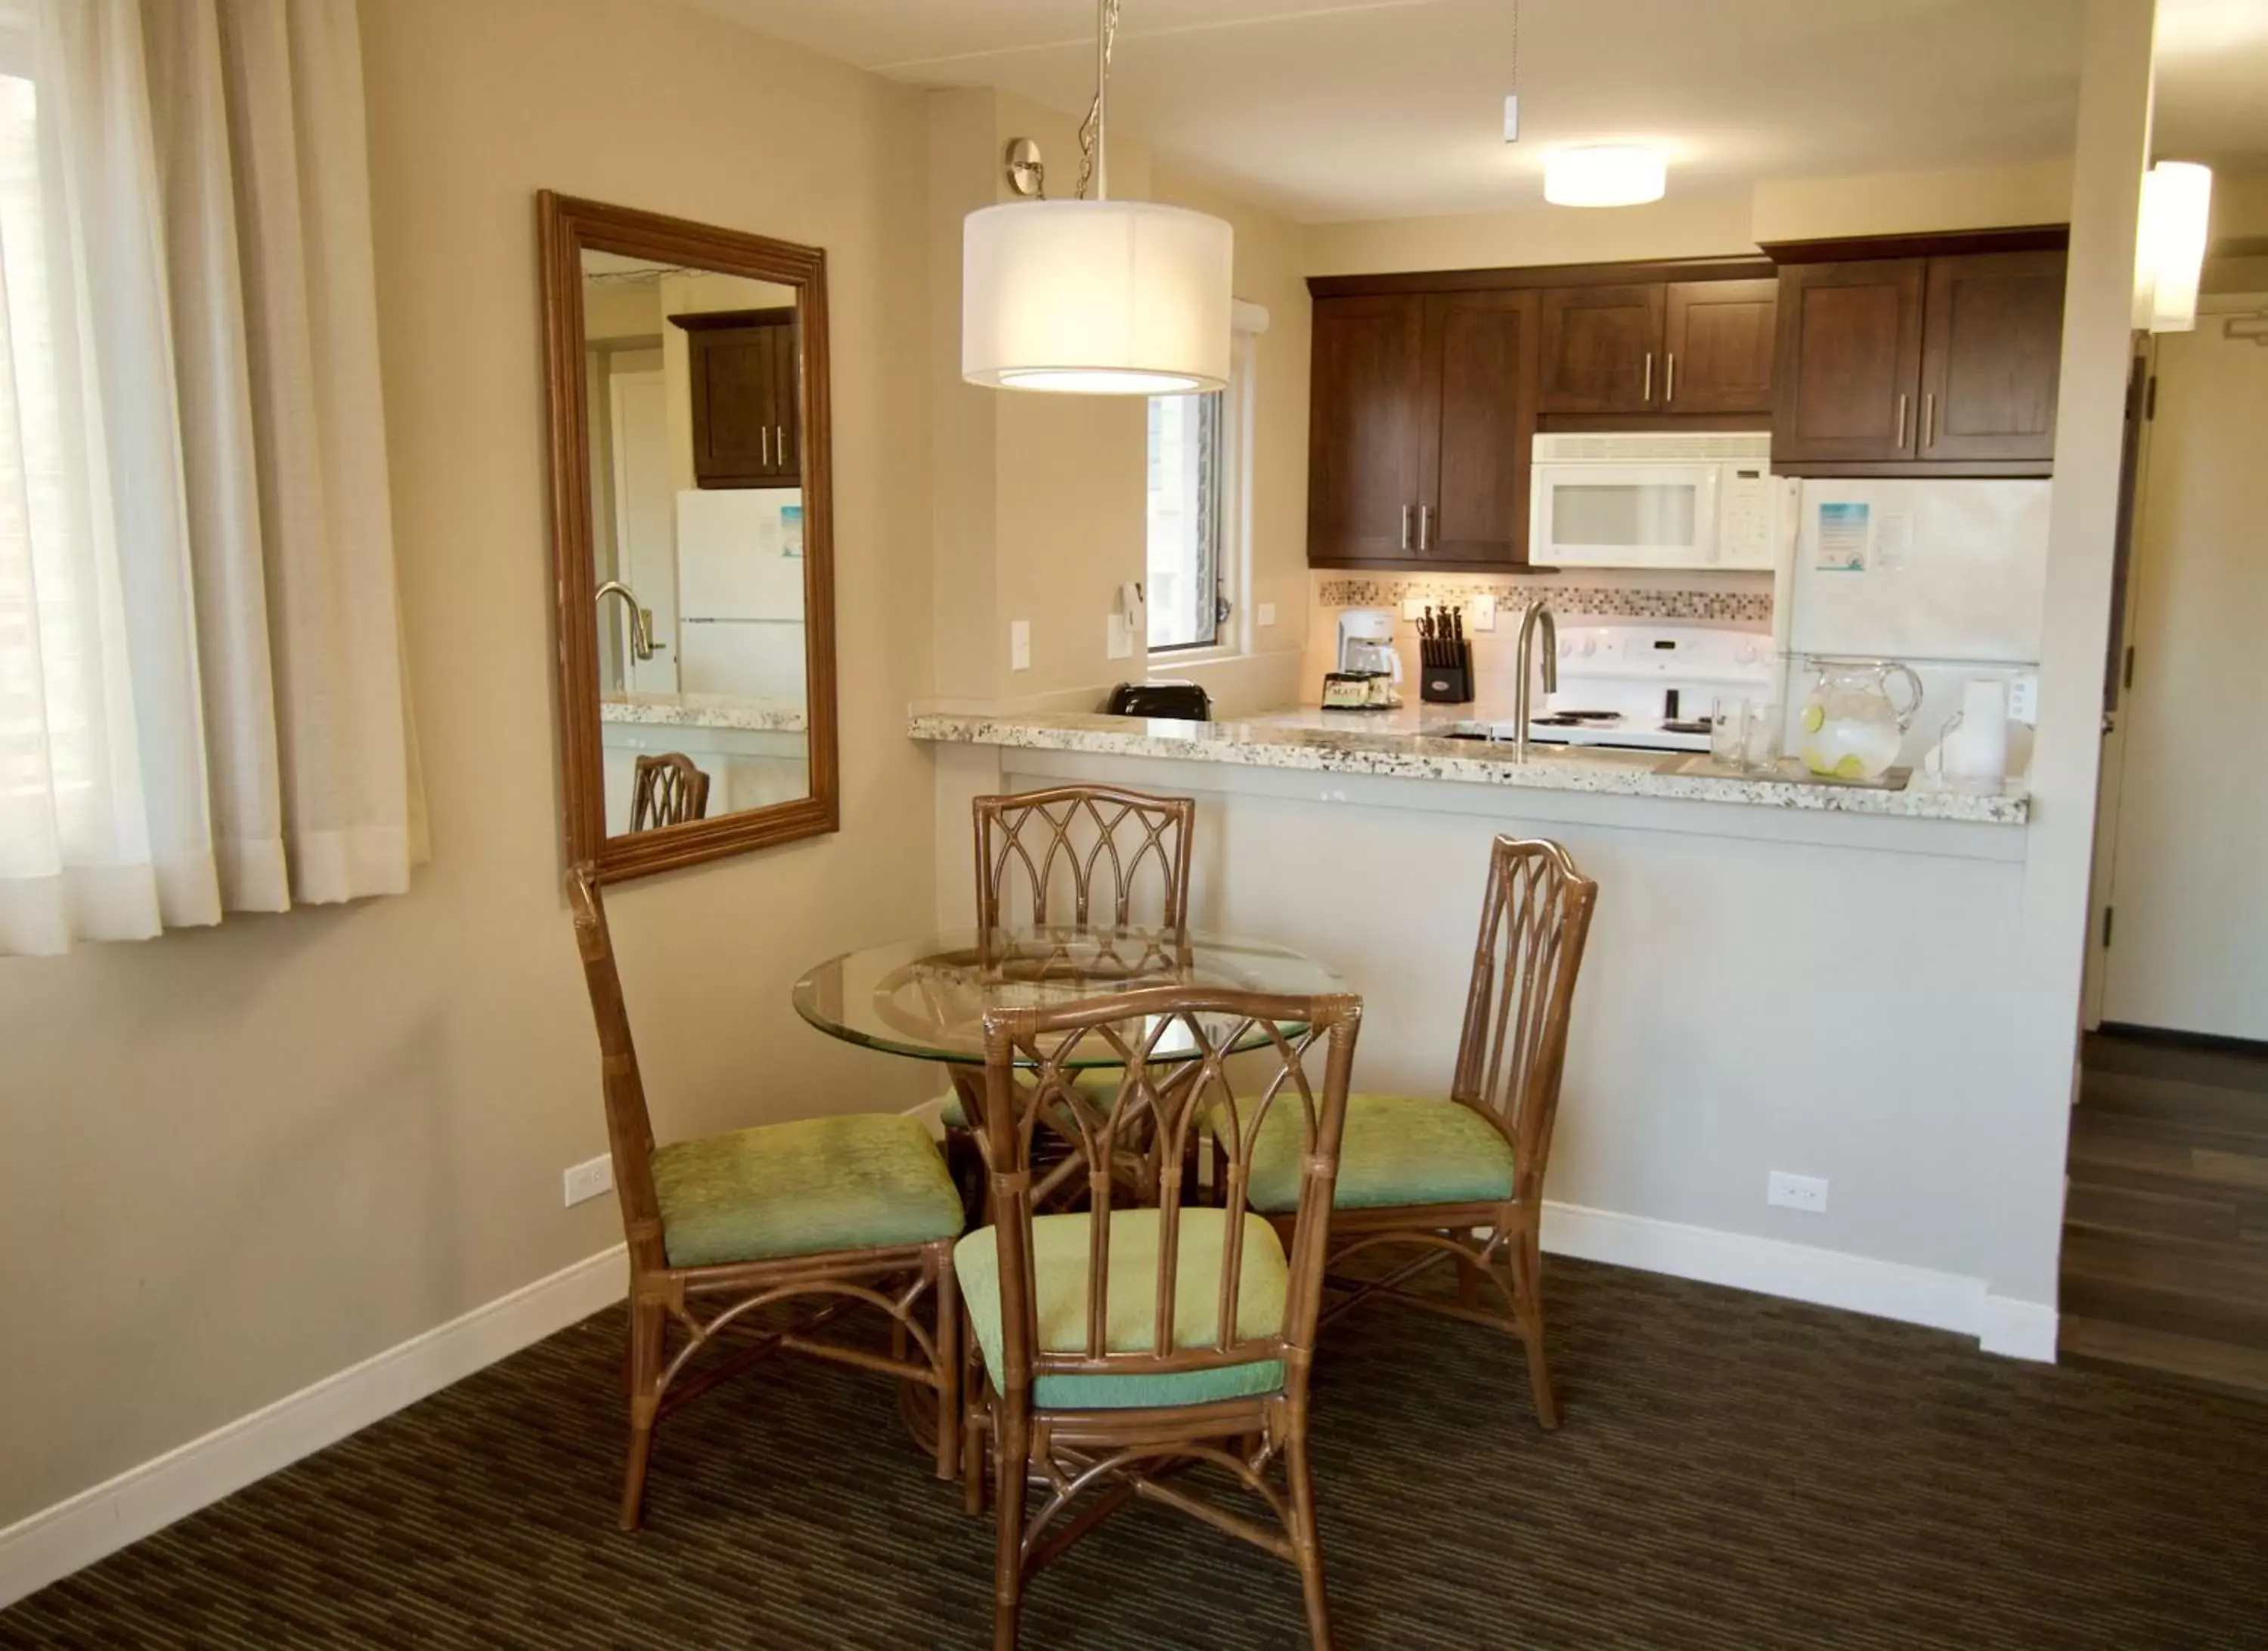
51 1545
2017 1329
1800 1272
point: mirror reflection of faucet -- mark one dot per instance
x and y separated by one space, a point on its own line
1534 616
641 644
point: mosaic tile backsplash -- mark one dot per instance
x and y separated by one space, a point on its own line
1602 599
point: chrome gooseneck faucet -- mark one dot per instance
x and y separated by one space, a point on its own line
1536 616
641 619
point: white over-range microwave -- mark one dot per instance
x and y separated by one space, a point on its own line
1653 499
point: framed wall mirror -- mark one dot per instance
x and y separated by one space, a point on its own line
691 536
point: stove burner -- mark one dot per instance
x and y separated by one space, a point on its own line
1578 720
1684 725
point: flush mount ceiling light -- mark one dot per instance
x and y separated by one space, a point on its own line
1606 174
2170 246
1096 297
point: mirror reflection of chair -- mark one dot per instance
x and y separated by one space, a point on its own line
1103 1363
822 1214
668 790
1460 1178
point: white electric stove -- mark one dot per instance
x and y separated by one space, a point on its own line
1640 686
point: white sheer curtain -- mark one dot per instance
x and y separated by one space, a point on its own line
201 701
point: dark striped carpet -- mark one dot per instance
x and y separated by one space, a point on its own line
1734 1472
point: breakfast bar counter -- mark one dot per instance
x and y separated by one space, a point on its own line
1416 742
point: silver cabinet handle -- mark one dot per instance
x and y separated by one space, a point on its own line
1900 441
779 445
1670 378
1647 394
765 442
1929 421
1424 528
1405 526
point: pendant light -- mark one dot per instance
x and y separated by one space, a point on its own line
1096 297
1606 174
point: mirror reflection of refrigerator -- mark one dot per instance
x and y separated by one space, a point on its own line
740 591
1948 577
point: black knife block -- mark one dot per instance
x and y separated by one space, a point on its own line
1445 674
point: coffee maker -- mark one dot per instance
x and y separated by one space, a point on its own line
1369 671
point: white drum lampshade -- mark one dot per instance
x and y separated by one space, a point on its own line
2170 246
1095 297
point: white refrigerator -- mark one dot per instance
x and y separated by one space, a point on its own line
740 591
1948 577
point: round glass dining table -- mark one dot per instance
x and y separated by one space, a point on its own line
927 999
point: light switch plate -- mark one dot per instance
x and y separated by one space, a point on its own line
2024 699
1019 644
1413 607
1267 613
1480 612
1117 637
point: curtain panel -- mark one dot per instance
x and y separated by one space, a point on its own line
203 705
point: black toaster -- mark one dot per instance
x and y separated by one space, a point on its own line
1182 702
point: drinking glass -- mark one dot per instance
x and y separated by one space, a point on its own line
1760 744
1728 732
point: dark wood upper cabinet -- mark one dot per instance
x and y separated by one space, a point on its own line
1363 444
1991 351
1601 349
1924 355
1716 346
1477 419
747 425
1849 361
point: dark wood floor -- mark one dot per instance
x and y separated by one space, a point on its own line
2165 1261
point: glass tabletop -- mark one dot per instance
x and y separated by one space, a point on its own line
927 998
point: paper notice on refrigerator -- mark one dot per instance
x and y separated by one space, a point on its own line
1893 542
1840 542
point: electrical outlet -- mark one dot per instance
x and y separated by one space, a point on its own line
1267 613
1807 1193
2024 699
1117 637
1019 644
591 1180
1480 612
1413 607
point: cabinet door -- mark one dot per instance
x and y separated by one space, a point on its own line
1601 350
1991 348
1362 429
1849 361
745 398
1716 346
1476 419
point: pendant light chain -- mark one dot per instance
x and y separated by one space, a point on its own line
1094 164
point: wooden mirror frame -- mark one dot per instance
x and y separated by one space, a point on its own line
567 227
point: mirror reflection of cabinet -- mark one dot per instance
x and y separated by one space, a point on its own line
745 365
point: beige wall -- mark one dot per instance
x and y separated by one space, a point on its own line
241 1159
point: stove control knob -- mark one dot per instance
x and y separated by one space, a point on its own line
1566 646
1748 653
1590 646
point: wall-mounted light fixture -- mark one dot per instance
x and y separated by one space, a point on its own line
2170 246
1605 174
1096 297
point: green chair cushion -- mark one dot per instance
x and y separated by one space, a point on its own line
866 1181
1396 1150
1059 1267
1099 1084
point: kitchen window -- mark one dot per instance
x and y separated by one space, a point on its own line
1186 603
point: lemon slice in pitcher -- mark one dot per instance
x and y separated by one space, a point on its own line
1815 718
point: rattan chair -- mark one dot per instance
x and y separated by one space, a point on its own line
1111 1348
666 790
1081 855
827 1212
1462 1178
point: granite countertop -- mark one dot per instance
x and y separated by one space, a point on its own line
1410 743
705 711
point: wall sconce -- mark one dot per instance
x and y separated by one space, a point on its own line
2170 246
